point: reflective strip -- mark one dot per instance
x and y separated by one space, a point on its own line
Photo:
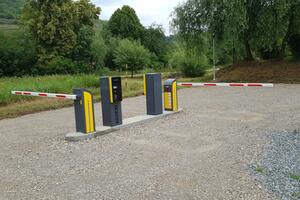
226 84
110 90
174 98
145 86
168 100
42 94
89 115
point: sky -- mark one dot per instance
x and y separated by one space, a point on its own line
148 11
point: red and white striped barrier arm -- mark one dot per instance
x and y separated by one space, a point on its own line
225 84
49 95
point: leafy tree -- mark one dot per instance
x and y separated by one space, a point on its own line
124 23
234 21
133 54
155 40
279 22
58 26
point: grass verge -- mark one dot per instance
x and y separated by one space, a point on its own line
14 106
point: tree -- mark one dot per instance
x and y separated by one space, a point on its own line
124 23
280 21
228 20
155 40
133 54
58 26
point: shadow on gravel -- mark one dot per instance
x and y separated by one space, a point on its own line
278 169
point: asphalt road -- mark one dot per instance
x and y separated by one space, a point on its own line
202 153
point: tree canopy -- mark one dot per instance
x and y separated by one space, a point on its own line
59 27
252 23
124 23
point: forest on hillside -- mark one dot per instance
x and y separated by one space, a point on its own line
10 9
67 37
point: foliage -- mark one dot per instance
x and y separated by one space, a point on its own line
155 40
256 24
10 9
58 26
133 54
17 53
190 63
60 65
124 23
294 42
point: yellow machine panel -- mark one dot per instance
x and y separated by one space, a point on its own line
89 115
174 96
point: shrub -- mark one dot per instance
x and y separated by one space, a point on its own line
59 65
132 53
193 67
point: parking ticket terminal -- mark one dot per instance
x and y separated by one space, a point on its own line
170 95
111 98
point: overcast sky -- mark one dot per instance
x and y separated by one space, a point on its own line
148 11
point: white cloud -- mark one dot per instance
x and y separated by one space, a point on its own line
154 11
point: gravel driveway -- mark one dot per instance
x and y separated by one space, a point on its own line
202 153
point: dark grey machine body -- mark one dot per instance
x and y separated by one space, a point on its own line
111 112
80 121
154 94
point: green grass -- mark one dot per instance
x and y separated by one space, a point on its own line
295 176
14 106
296 195
260 169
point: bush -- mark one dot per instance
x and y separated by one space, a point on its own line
193 67
59 65
190 63
17 53
132 53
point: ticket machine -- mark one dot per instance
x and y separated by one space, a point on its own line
111 98
170 95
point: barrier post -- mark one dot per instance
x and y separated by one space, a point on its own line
84 111
170 95
153 92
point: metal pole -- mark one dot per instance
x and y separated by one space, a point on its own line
214 60
126 76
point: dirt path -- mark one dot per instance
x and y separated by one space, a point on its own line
202 153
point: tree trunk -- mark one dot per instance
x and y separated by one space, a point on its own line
283 47
287 35
249 55
132 72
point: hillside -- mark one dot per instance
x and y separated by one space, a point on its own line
10 9
262 71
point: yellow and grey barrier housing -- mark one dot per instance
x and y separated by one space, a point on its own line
170 95
84 111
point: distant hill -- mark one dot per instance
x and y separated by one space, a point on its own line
10 9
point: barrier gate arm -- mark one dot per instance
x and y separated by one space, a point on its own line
49 95
225 84
83 104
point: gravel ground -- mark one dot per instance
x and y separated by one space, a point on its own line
202 153
279 166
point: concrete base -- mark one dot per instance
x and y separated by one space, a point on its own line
102 130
